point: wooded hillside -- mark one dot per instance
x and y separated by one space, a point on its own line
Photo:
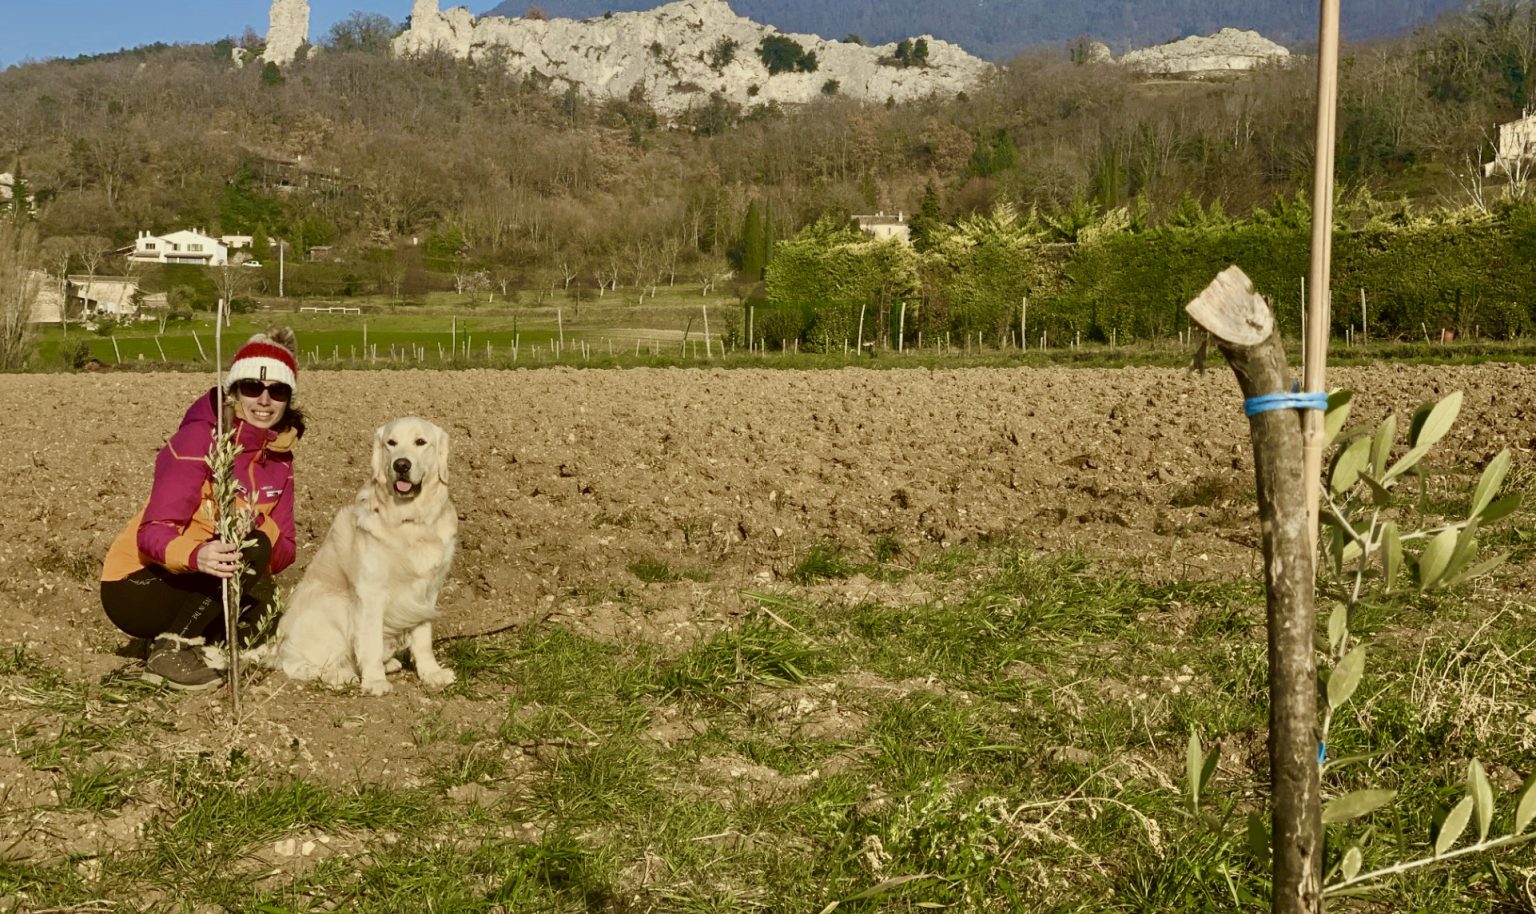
484 169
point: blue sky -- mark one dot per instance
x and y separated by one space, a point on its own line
64 28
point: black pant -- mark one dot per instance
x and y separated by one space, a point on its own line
153 601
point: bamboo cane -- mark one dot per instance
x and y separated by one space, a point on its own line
1315 351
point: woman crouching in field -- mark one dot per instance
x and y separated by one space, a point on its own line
162 577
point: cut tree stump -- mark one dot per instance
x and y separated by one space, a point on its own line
1240 322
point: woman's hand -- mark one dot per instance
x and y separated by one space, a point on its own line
218 558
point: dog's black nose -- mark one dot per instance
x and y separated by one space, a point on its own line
402 466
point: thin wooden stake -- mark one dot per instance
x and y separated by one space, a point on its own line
1365 333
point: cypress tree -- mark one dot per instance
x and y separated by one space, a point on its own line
754 246
929 216
768 236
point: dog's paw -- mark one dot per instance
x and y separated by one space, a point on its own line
376 686
336 678
392 665
439 678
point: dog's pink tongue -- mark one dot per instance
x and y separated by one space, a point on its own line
402 486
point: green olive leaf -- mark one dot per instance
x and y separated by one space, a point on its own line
1337 415
1381 446
1432 422
1348 464
1525 807
1338 627
1346 677
1455 823
1501 508
1435 557
1351 866
1194 762
1488 484
1482 796
1391 555
1356 804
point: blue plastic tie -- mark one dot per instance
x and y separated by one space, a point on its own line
1255 405
1322 753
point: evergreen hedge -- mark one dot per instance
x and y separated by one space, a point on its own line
1462 270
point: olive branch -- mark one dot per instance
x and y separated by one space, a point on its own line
1364 542
231 523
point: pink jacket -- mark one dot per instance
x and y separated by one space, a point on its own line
177 521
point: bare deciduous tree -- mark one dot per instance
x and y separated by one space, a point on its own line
18 292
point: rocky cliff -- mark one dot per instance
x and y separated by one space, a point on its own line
287 31
1226 51
681 53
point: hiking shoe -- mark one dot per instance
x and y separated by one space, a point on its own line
179 666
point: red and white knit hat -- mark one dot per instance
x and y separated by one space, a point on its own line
264 359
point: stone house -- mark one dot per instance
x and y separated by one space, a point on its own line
105 296
883 225
1517 146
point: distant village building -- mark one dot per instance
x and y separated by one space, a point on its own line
105 296
883 225
1517 147
282 173
185 246
91 297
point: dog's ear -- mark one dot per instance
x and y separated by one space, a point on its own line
442 455
380 456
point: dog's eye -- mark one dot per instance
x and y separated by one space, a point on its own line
390 442
421 442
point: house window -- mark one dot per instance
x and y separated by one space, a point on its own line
194 248
149 245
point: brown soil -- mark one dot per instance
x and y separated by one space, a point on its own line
564 478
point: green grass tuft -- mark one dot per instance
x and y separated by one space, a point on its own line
821 562
762 652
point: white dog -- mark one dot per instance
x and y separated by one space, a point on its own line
375 581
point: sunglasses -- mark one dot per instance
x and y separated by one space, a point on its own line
252 388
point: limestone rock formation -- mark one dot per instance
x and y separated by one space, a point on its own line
681 53
1226 51
288 30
